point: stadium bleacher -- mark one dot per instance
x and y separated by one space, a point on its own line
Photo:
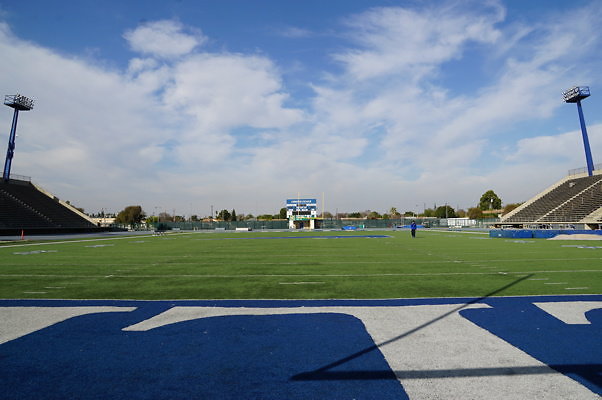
23 206
574 200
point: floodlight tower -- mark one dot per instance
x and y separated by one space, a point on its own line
575 95
18 103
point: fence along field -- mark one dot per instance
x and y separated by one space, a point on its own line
294 265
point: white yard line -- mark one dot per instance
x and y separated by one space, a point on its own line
84 240
394 262
300 275
419 262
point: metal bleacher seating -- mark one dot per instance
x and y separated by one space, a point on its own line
23 206
569 202
578 207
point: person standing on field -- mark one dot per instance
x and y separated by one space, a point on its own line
413 228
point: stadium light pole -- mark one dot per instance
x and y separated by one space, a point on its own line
18 103
575 95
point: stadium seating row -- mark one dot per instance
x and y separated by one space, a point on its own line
569 202
23 206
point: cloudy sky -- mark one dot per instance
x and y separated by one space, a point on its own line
185 105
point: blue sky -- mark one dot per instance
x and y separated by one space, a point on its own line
184 105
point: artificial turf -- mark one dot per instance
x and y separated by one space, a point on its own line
313 265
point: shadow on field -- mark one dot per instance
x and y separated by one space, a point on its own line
324 372
587 370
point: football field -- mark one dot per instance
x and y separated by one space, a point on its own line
301 315
298 265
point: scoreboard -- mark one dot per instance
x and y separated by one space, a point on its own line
301 209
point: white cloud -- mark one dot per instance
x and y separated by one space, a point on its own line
296 32
183 127
112 138
566 146
228 90
391 79
139 65
165 39
397 40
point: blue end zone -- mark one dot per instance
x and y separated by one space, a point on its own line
572 349
233 357
288 356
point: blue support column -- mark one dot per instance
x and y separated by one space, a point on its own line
588 152
11 146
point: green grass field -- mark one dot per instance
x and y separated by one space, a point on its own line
226 266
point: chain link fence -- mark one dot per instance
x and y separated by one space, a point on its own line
328 223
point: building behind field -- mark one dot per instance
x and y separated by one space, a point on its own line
461 222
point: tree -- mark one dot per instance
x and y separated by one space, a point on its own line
445 212
224 215
282 213
355 215
374 215
510 207
394 213
429 212
164 217
490 201
474 213
130 215
460 213
233 215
